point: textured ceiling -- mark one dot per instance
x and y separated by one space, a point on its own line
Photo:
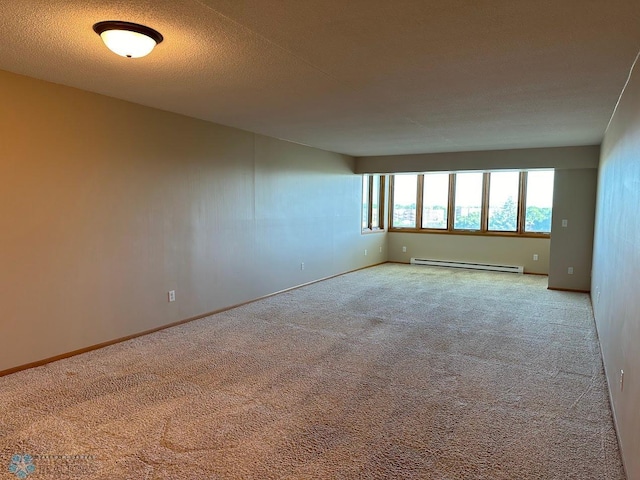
362 77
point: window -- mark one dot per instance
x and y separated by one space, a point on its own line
488 203
504 189
539 201
376 202
372 203
435 200
405 191
365 201
468 201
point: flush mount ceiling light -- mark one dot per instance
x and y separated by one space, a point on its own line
128 39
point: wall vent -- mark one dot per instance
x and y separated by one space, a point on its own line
468 265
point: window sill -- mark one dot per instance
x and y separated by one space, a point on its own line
470 232
367 231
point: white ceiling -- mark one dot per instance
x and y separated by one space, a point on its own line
362 77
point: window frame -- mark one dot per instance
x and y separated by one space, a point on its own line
484 215
379 227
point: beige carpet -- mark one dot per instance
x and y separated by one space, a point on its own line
391 372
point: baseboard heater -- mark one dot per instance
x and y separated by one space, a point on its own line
468 265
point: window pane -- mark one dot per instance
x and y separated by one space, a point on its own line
468 201
365 201
503 201
405 192
375 200
435 200
539 201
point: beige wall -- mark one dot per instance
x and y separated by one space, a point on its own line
574 200
473 248
107 205
616 267
559 157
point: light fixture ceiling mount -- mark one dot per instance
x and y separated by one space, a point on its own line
127 39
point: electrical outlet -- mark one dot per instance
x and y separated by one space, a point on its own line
302 266
172 295
404 249
365 252
565 222
535 257
570 270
